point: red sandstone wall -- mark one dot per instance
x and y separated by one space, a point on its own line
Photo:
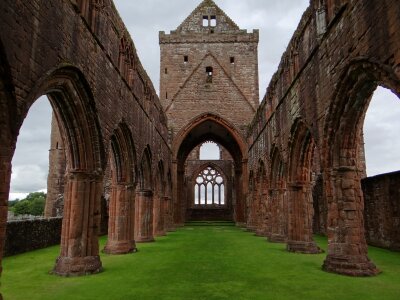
382 210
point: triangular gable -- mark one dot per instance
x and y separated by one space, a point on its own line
195 71
194 22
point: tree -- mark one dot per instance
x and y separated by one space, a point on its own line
33 204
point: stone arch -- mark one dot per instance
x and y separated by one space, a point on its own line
300 230
277 197
159 201
203 128
144 200
74 108
122 201
341 167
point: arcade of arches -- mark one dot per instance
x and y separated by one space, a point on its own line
289 167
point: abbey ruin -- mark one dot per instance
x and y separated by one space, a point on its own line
290 166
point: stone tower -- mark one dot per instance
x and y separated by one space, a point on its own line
208 64
209 92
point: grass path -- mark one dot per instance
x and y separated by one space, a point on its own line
201 262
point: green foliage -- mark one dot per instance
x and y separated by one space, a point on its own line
33 204
201 262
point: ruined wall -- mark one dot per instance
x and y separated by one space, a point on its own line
27 235
382 210
80 54
315 106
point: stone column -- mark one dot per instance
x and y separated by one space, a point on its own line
121 219
144 216
79 237
264 228
169 215
158 216
300 235
347 248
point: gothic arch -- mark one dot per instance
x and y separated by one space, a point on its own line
73 104
122 201
277 197
144 200
302 148
214 166
341 168
203 128
185 139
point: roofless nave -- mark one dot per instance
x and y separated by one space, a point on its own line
290 166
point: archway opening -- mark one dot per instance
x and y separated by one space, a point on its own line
30 164
344 168
190 168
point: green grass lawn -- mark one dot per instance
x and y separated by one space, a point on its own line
201 262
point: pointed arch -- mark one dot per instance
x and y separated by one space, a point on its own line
277 197
341 164
144 230
122 202
301 148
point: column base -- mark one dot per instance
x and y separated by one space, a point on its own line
350 265
145 240
77 266
277 238
262 233
241 224
171 229
160 233
303 247
120 247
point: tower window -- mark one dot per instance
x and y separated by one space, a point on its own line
232 59
166 71
213 21
186 59
166 95
205 21
209 71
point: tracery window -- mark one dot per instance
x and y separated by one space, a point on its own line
209 188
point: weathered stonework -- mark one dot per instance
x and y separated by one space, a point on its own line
308 126
60 49
209 92
382 210
314 111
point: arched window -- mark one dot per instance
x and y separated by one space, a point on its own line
209 188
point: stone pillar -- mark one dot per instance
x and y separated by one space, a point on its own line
79 237
241 188
169 214
264 228
55 178
121 220
279 215
158 216
144 216
347 248
300 234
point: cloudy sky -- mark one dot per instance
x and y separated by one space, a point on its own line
276 21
